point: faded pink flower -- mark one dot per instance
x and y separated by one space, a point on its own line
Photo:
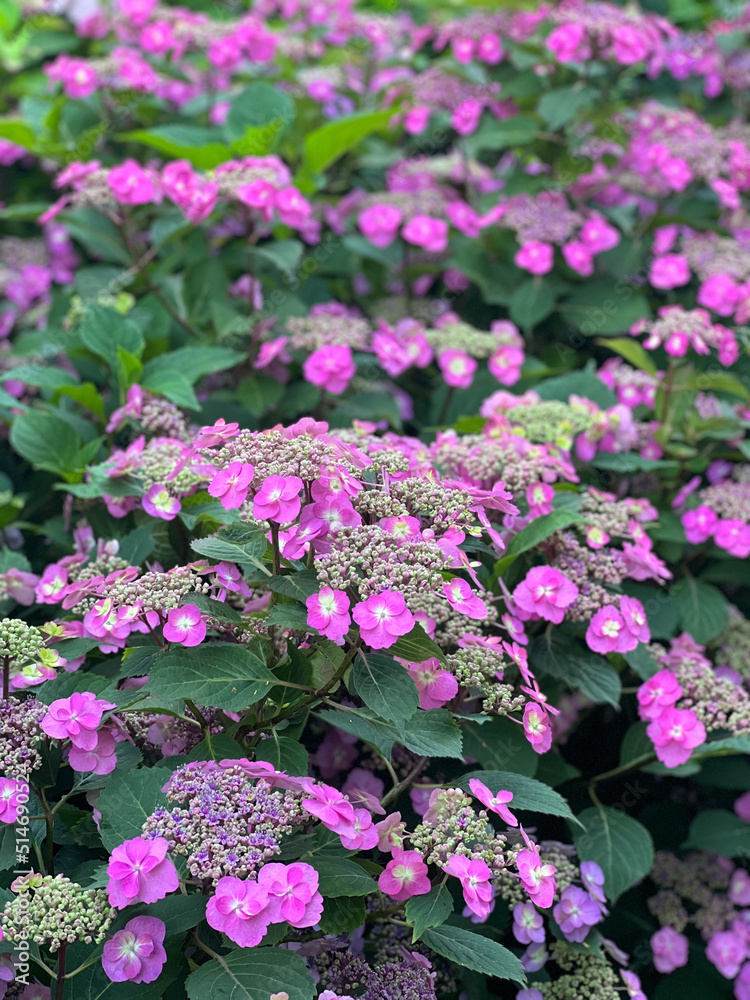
76 718
727 951
537 727
136 953
426 232
458 368
380 223
382 618
462 599
669 949
132 185
535 257
435 685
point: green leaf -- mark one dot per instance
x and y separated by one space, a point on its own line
496 135
718 382
531 302
561 656
284 753
256 116
473 951
179 913
215 609
431 734
641 661
174 387
137 545
540 529
632 351
218 674
430 910
620 845
528 793
558 107
604 307
500 745
326 144
192 363
341 877
126 803
44 376
342 914
238 543
719 831
217 746
45 440
582 382
103 330
365 727
703 609
416 647
385 686
252 974
199 146
291 615
298 586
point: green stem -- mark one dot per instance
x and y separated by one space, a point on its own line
405 782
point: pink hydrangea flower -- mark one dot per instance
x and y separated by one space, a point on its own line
727 951
159 502
495 803
538 879
232 484
537 727
364 834
136 953
670 271
733 535
76 718
568 43
132 185
328 612
100 759
462 599
576 913
578 257
331 367
185 625
292 893
382 618
535 257
405 876
380 223
607 632
545 592
742 807
13 796
278 499
475 883
328 804
634 616
140 872
669 949
458 368
658 693
739 887
675 734
259 195
426 232
435 685
241 910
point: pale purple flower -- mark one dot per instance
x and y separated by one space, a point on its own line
576 913
669 949
727 951
136 953
159 502
185 625
528 924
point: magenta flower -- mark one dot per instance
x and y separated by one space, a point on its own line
329 806
495 803
364 834
278 499
380 223
535 257
669 949
136 953
391 832
435 685
426 232
328 612
13 796
733 535
462 599
232 484
727 951
545 592
528 924
537 727
405 876
742 807
331 368
699 524
292 893
140 872
607 633
457 367
76 718
475 883
739 888
100 759
670 271
241 910
634 616
658 693
538 878
159 502
576 913
382 618
675 734
185 625
132 185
